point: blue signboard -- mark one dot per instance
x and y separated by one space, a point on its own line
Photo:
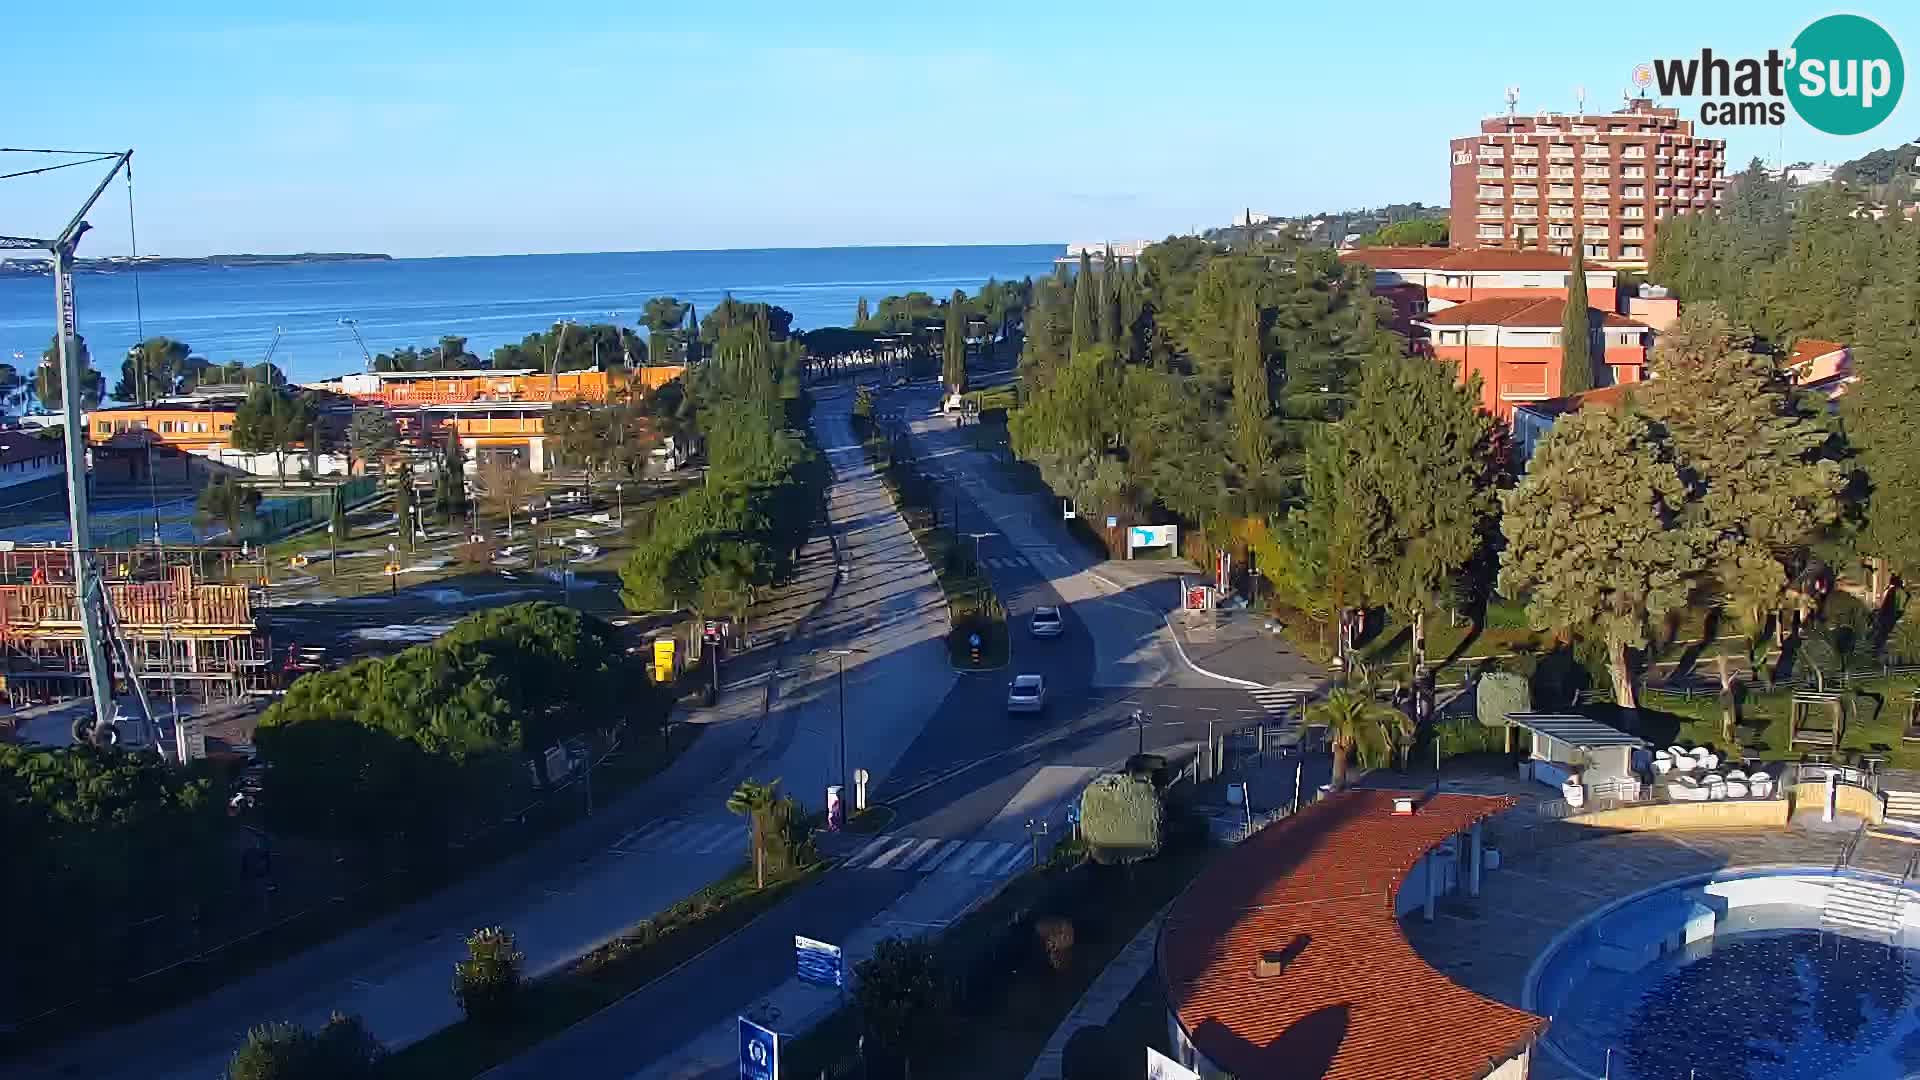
818 962
759 1052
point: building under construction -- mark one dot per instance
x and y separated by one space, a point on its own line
181 636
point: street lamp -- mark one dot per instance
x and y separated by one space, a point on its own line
533 522
839 657
1140 719
620 505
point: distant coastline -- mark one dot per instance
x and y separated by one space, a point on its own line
40 267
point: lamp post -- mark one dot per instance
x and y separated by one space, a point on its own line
533 522
620 504
839 657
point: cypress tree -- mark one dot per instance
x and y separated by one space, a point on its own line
1085 332
1111 283
1576 336
860 314
953 348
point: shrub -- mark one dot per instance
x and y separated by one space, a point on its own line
1500 693
1056 940
901 993
1461 735
342 1050
486 985
1121 818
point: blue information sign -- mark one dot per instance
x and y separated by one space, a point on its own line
817 962
759 1052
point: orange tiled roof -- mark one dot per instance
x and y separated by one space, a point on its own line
1606 397
1428 258
1807 350
1353 1001
1518 311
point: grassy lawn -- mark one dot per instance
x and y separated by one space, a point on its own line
644 953
1874 728
998 1029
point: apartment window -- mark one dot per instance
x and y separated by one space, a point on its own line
1526 153
1563 213
1525 213
119 426
166 427
1598 150
1634 151
1526 191
1633 212
1560 232
1633 232
1595 232
1492 193
1493 153
1616 129
1561 150
1596 251
1594 191
1491 172
1659 212
1561 191
1450 337
104 427
1490 232
1633 191
1547 129
1594 213
1633 251
1491 210
1584 129
226 427
1597 172
1634 172
1559 172
1525 172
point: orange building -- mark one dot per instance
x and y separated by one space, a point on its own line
1513 345
468 385
1451 276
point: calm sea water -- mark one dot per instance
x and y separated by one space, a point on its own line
230 314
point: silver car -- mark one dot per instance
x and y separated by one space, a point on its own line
1027 694
1046 622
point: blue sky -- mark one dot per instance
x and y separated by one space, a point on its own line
479 129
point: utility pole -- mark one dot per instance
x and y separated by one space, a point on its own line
88 593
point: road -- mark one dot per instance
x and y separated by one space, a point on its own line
963 791
634 858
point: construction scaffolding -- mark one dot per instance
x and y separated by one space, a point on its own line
181 635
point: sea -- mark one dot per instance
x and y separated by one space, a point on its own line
234 313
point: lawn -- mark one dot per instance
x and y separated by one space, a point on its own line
647 951
1875 727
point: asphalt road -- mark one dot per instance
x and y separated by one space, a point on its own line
953 783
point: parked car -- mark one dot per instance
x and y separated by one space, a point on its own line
1046 622
1027 694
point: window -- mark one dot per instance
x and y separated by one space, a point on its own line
166 427
105 427
1450 337
226 427
1633 191
1632 251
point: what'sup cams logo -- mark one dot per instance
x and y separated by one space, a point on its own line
1843 75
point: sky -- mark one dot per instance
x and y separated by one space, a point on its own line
427 129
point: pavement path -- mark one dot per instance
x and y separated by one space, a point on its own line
587 884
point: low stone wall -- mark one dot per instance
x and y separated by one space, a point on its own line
1724 814
1849 801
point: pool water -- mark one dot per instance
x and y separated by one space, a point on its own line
1778 1004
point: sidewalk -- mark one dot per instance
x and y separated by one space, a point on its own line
1237 646
574 890
1109 990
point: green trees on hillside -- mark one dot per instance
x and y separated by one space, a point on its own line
1417 232
48 388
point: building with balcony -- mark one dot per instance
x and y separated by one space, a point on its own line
1607 154
1452 276
1513 345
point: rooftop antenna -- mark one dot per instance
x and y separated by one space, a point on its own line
1513 104
1580 100
90 597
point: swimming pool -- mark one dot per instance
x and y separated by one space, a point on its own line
1732 977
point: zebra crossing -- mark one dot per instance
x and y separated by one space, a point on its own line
1036 557
978 858
686 838
1279 702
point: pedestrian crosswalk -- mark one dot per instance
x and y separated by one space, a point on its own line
687 838
1280 702
927 855
1032 557
979 858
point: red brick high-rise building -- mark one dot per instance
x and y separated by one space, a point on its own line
1546 181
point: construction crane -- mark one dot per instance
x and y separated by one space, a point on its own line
271 346
354 325
90 595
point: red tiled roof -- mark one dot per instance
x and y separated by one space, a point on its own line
1807 350
1427 258
1518 311
1606 397
1353 1001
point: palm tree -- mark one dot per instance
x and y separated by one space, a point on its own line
756 801
1357 724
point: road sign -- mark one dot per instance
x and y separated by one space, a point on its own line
1199 598
973 640
818 963
759 1052
1112 521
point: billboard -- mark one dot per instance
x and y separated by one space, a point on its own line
1152 536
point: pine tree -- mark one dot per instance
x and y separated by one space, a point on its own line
953 346
1085 328
1604 549
860 314
1576 333
1416 498
1882 412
